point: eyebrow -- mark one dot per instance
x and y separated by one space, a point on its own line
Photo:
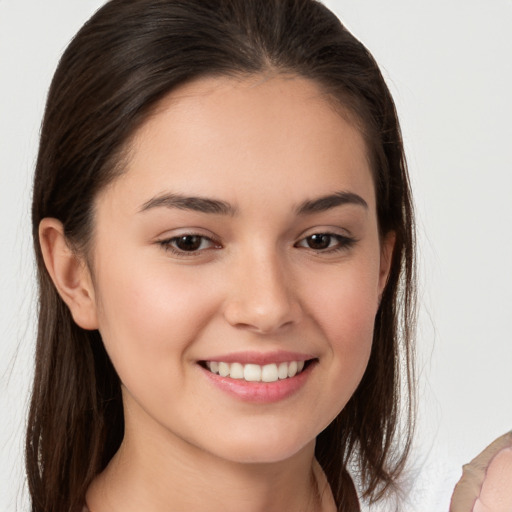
198 204
324 203
218 207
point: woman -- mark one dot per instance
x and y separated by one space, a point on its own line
224 235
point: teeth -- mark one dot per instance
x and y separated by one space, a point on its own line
282 371
292 369
269 373
255 372
252 372
236 371
224 369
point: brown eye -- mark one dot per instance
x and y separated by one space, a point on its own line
326 242
188 242
319 241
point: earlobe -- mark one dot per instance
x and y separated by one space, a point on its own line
386 257
69 273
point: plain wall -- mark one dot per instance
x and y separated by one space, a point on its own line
449 67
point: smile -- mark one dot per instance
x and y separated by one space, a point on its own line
259 383
256 373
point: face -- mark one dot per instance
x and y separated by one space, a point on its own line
237 268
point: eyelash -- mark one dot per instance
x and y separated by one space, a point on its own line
167 245
344 243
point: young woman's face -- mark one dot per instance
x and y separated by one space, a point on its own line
240 246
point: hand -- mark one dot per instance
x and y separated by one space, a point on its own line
486 483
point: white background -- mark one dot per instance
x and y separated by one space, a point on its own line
449 66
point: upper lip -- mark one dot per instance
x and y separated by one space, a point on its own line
260 358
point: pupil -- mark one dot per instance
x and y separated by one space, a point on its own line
320 241
188 242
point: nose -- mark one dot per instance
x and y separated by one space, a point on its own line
262 296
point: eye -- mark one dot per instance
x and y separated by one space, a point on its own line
326 242
188 244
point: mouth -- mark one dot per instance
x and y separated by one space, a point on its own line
259 378
267 373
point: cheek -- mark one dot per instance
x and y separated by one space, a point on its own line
344 307
149 320
350 337
345 304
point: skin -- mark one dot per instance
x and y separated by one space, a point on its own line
485 482
264 146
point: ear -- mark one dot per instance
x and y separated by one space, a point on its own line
69 273
387 247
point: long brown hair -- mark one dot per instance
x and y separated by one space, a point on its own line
127 57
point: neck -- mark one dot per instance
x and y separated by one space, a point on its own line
155 471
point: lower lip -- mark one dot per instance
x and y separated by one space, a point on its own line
260 392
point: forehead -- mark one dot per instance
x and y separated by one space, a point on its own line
224 136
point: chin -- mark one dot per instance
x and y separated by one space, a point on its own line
263 449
